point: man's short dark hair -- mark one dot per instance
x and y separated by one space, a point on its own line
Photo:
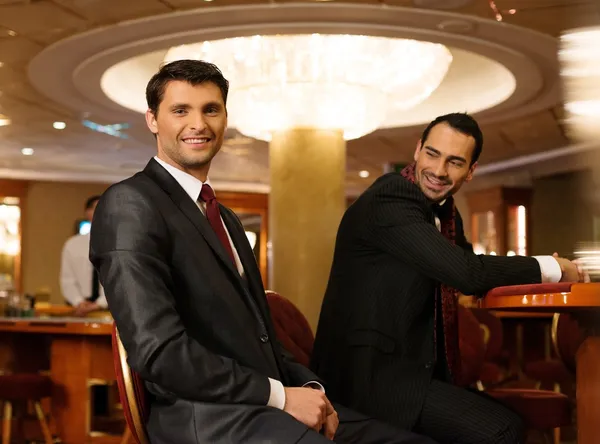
91 201
191 71
462 123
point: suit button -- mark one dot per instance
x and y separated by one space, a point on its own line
264 338
429 365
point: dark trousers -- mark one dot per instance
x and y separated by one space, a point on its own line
356 428
453 415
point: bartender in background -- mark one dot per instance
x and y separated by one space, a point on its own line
78 279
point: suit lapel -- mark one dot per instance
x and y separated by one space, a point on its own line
189 208
252 272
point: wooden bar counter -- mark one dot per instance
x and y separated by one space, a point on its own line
582 301
76 351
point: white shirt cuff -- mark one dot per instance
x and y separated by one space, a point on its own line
314 385
549 268
277 395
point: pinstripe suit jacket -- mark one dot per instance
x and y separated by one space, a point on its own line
374 345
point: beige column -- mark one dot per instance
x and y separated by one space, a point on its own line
306 204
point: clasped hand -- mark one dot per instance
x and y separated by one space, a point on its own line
312 408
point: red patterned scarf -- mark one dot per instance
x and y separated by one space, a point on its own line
449 295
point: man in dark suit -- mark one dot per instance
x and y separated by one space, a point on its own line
186 294
387 340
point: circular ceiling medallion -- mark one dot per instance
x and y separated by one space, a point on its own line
498 71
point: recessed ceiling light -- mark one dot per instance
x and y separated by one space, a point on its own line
27 151
11 33
1 64
364 174
59 125
5 120
457 26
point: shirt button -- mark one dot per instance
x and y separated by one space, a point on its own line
264 338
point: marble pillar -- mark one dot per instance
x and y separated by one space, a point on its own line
306 204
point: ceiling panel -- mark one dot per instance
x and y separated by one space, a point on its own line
109 11
189 4
553 20
41 20
17 51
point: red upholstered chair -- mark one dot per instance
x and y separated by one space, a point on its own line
560 372
132 393
541 410
493 371
21 389
471 346
291 327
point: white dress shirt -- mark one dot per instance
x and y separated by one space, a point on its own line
192 187
76 272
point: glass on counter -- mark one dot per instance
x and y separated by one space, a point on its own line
13 304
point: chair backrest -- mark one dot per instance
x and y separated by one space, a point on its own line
493 333
132 392
292 328
567 336
471 347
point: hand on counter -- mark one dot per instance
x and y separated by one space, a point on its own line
85 307
572 271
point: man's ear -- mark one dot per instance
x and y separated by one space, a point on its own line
419 146
151 122
471 171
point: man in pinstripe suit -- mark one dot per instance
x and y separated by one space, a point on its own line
387 340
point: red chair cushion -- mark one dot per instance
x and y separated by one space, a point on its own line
141 397
540 409
569 336
509 290
291 327
491 373
25 386
548 372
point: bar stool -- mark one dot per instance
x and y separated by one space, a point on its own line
24 388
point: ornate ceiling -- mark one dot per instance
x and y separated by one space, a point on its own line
36 29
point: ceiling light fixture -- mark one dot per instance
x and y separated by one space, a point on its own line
5 120
322 81
11 33
579 55
364 174
59 125
115 130
27 151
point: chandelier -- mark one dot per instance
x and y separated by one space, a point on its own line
580 69
320 81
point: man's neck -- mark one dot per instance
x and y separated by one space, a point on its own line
200 173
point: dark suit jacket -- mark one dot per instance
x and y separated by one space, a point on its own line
197 332
375 339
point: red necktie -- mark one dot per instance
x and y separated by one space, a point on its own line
214 218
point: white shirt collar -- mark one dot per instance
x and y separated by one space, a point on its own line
189 183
